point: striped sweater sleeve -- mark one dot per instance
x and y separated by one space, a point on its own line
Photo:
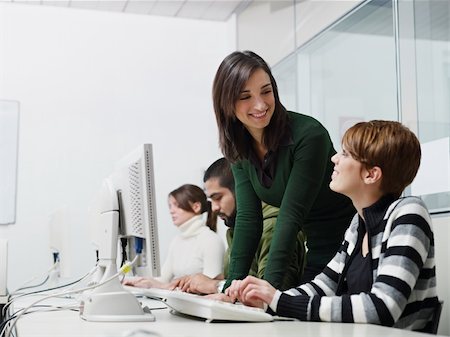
404 252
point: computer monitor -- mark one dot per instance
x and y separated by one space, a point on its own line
133 180
124 209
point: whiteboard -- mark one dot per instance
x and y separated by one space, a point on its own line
9 132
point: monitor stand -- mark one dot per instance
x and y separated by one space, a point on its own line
111 302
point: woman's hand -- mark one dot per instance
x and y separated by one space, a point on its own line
219 297
233 290
139 282
147 282
251 291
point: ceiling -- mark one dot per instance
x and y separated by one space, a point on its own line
216 10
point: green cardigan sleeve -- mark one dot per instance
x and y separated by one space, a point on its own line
306 179
248 226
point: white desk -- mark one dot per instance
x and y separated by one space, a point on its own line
69 324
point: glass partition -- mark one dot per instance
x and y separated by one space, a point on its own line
286 76
384 59
432 31
348 73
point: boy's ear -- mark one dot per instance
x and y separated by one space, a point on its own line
373 175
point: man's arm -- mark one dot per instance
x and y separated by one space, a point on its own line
201 284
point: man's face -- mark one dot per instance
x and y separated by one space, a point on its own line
222 201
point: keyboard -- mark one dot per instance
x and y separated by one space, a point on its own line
208 309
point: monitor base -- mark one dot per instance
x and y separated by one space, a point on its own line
111 302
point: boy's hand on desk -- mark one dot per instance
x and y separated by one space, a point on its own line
201 284
196 284
181 283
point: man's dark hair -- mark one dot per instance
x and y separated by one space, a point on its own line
220 170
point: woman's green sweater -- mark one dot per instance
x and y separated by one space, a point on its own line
300 188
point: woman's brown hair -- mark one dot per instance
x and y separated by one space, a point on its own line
389 145
186 195
230 79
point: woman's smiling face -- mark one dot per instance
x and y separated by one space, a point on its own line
347 174
256 103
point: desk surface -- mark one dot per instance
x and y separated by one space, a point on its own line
69 324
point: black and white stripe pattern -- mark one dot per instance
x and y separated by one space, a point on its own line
403 293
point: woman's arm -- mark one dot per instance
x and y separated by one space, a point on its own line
324 284
311 159
248 226
407 249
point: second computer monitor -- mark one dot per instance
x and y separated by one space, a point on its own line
134 181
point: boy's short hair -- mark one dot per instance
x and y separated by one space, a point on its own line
221 170
389 145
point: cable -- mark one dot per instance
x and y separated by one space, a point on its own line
22 287
11 300
50 307
123 244
124 269
7 304
4 324
33 286
33 278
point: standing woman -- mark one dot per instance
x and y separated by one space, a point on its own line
281 158
197 249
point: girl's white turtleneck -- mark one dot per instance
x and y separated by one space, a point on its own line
194 225
197 249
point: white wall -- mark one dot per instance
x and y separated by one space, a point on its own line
267 28
92 87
